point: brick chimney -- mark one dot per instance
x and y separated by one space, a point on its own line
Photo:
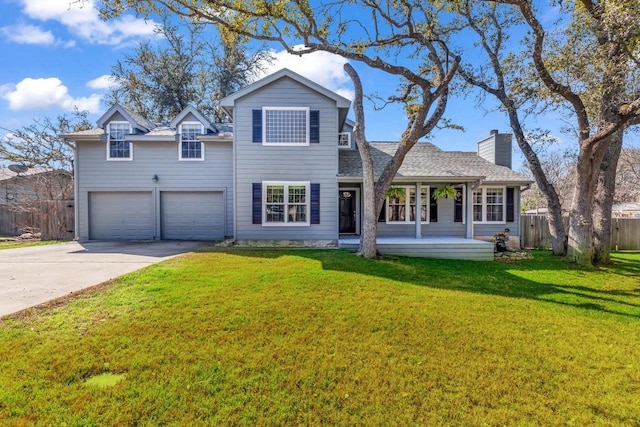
496 148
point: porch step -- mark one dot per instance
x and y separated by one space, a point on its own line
429 247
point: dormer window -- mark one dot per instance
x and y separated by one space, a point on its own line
191 148
344 140
118 148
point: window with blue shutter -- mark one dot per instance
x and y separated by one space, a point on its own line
257 125
510 204
314 126
315 203
458 205
257 203
433 206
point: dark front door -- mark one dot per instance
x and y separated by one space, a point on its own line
347 211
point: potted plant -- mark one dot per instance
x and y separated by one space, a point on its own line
447 191
501 238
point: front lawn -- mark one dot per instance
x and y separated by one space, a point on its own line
312 337
12 244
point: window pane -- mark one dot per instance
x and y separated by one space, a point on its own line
477 212
297 194
275 194
494 199
275 213
286 126
424 194
477 206
494 213
297 213
396 206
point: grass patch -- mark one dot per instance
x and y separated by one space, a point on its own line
256 337
12 244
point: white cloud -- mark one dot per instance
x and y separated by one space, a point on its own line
105 81
46 94
323 68
83 20
28 34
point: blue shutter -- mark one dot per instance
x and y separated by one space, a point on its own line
315 203
382 216
458 205
314 126
510 204
257 203
257 126
433 206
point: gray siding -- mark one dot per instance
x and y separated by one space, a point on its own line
496 149
97 174
316 163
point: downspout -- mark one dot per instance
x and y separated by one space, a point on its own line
76 196
418 212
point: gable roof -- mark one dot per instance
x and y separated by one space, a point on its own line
136 120
427 161
192 110
229 101
6 174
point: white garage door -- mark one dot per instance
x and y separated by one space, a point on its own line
192 215
121 215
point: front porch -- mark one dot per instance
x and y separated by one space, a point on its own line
427 247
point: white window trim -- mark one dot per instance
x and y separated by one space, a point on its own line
286 184
484 205
285 144
407 220
118 159
342 147
180 158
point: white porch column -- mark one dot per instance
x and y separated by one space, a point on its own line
418 213
468 211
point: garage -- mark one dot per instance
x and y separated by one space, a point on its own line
192 215
121 215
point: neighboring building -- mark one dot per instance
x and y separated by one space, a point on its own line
289 172
28 197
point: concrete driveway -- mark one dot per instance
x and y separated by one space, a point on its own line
34 275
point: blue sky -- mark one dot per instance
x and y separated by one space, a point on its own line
58 54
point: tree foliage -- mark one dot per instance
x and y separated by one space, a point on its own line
40 144
189 67
585 67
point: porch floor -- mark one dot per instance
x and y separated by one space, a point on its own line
427 247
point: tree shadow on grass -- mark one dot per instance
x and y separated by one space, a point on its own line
544 278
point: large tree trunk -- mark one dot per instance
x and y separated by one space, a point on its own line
580 217
604 196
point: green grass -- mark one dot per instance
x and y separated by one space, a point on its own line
12 244
311 337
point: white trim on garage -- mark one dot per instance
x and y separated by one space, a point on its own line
192 215
121 215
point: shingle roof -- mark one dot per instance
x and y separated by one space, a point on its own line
5 173
427 160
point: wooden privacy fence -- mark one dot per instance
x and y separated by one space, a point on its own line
54 219
625 232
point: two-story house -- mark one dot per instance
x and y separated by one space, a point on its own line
286 171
